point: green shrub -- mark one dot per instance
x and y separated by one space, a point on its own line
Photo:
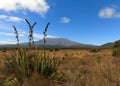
116 44
116 48
116 51
56 49
65 54
97 59
94 50
79 73
24 64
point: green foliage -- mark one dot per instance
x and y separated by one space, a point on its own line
10 81
23 64
80 73
58 76
95 50
97 59
116 49
56 49
116 44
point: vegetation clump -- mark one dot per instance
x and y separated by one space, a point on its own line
95 50
24 64
116 48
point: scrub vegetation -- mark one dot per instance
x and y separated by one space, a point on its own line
68 67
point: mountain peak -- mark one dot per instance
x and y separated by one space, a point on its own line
57 43
62 42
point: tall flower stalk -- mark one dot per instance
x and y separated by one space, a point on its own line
22 65
17 36
44 36
31 40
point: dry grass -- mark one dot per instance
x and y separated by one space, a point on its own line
80 68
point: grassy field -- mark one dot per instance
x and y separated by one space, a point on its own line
77 68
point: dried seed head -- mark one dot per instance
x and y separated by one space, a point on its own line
31 40
17 35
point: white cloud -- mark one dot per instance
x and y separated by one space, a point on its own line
109 12
65 20
40 36
12 34
39 6
11 18
15 19
3 16
49 36
22 34
7 42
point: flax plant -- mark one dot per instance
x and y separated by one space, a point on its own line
21 65
17 35
31 40
44 36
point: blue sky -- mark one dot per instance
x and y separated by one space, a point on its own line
85 21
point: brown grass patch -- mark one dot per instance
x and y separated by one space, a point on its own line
80 68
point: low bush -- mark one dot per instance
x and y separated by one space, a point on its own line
116 49
56 49
94 50
97 59
116 52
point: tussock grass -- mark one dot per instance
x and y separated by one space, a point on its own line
81 68
22 65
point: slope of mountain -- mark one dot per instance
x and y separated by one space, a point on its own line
107 45
55 43
61 42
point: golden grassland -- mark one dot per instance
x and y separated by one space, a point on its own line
79 68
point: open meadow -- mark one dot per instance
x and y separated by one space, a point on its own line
77 68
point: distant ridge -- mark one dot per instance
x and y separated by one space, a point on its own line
54 43
62 42
107 45
59 43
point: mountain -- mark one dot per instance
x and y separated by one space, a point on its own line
107 45
66 43
55 43
59 43
62 42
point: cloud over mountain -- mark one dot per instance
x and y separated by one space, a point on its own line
40 36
